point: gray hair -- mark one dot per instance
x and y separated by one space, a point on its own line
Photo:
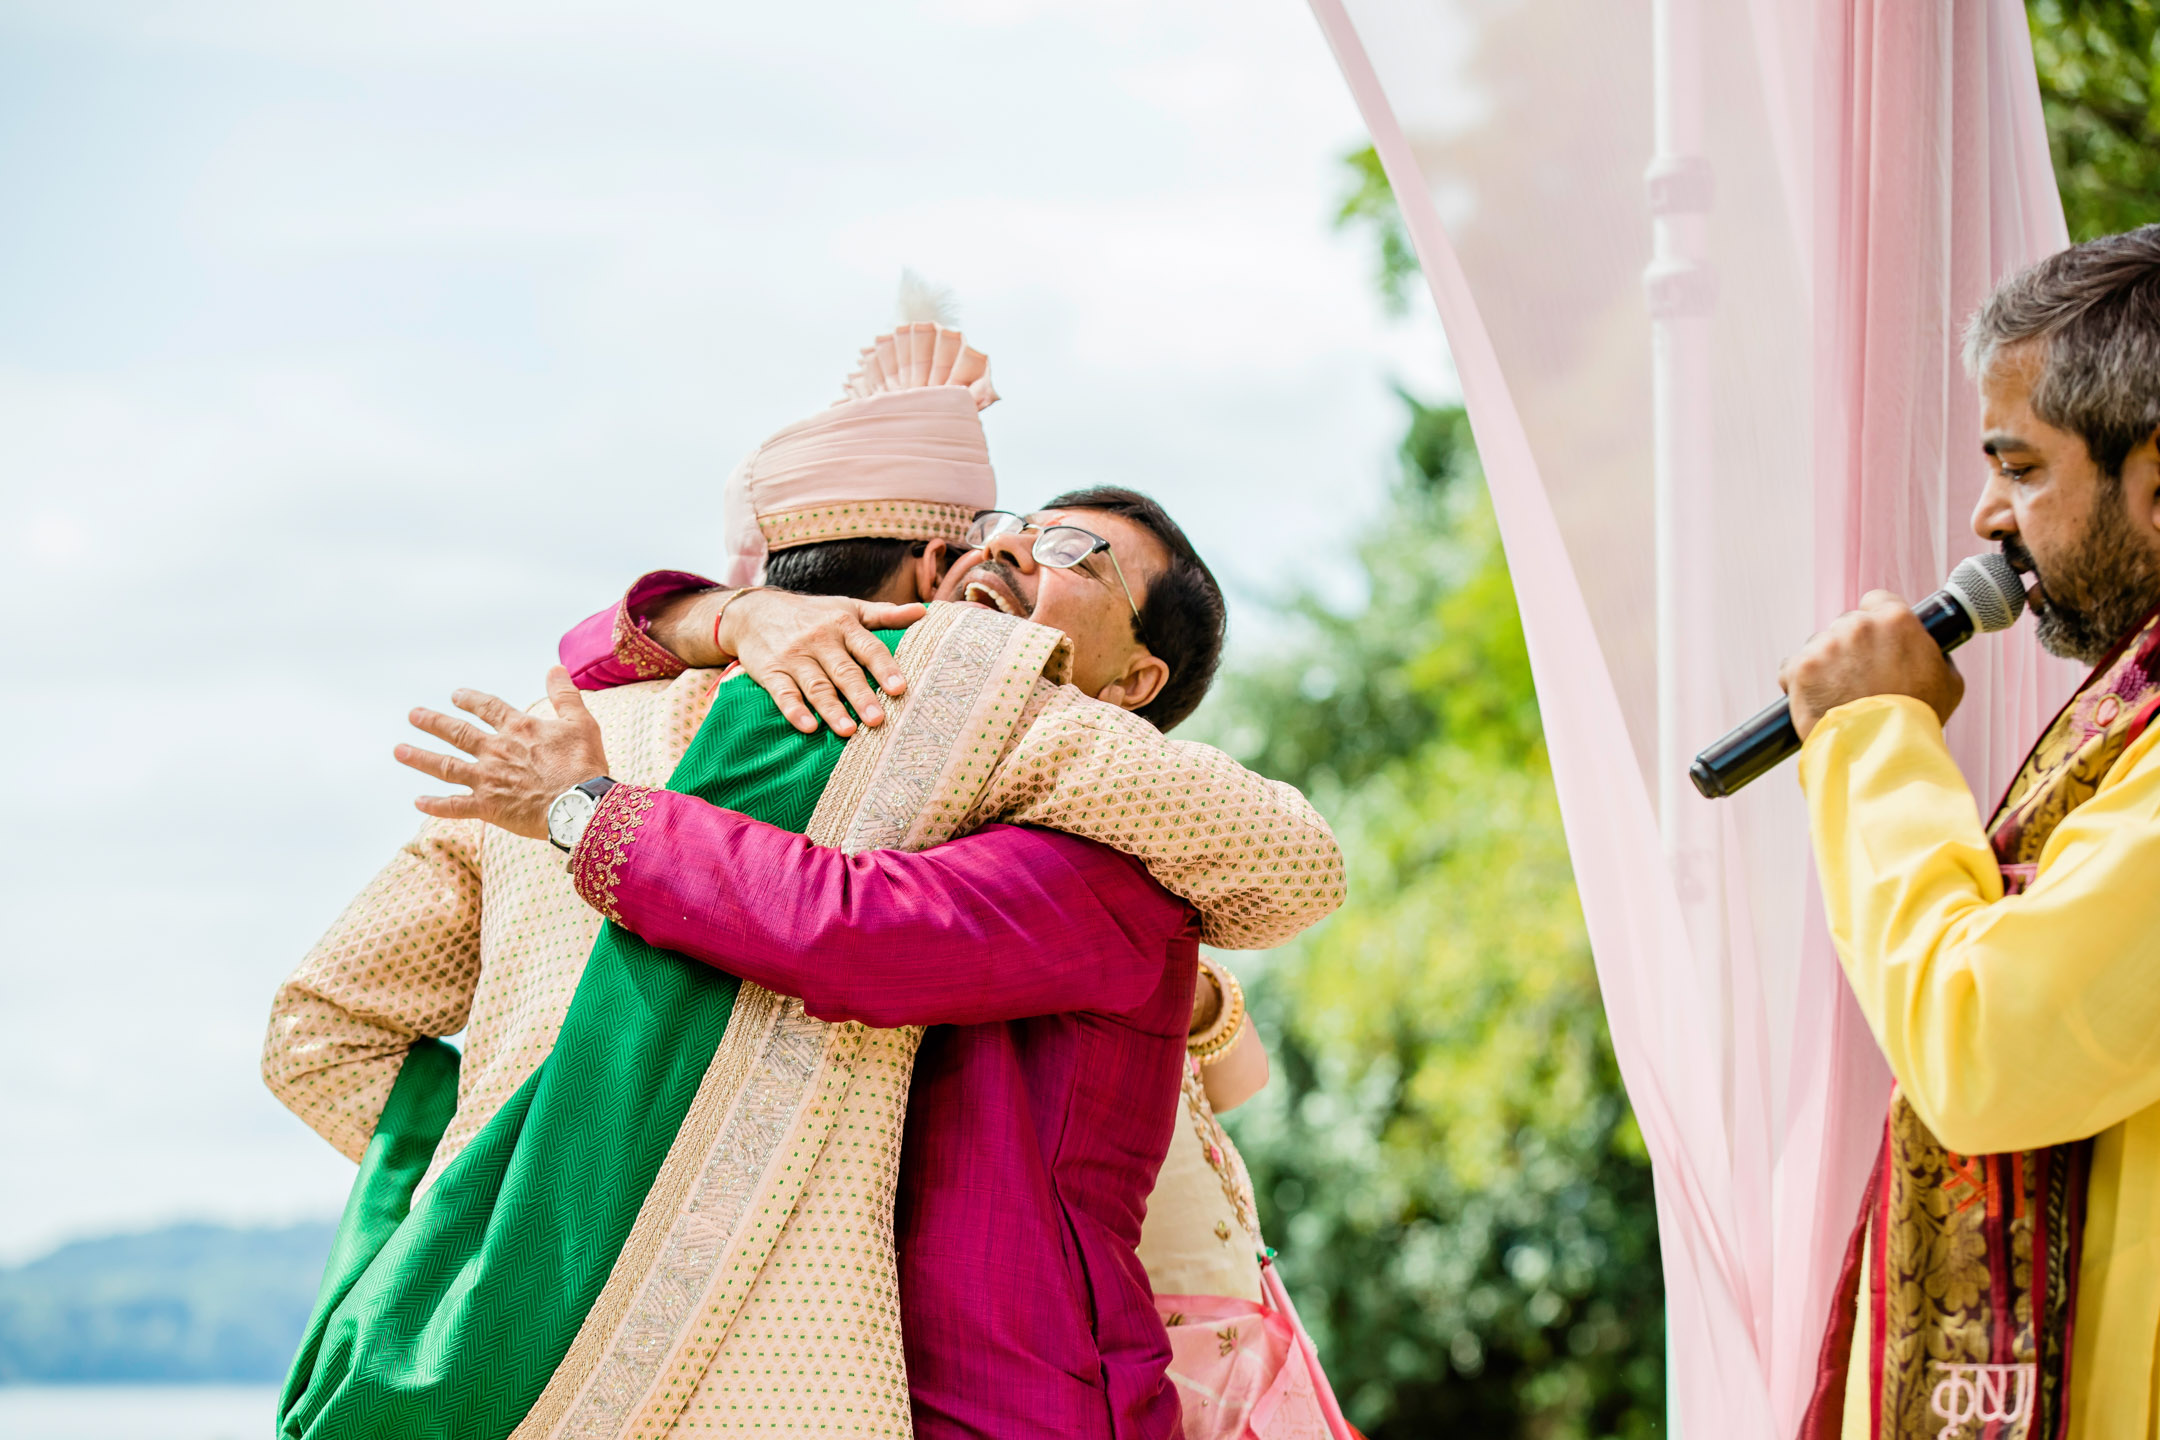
2095 309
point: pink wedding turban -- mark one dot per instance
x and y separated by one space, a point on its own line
899 456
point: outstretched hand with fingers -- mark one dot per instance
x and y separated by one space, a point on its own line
519 763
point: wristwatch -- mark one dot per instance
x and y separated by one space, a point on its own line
573 811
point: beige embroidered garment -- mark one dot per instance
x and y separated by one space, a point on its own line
721 1313
1202 1232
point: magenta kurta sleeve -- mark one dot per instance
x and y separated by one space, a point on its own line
612 648
1005 923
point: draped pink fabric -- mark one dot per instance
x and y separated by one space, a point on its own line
1715 406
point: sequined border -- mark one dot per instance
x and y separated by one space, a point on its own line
596 864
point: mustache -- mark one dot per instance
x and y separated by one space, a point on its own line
1005 575
2022 561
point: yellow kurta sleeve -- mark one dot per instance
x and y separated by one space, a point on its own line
400 963
2010 1023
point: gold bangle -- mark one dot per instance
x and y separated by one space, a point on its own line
1214 1042
1220 1008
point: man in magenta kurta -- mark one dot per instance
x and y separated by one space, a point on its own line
1057 977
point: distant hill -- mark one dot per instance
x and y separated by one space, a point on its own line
190 1302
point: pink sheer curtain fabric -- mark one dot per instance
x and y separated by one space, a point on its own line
1711 462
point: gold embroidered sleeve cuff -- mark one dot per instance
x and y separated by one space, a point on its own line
596 863
638 651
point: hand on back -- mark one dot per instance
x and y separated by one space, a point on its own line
809 652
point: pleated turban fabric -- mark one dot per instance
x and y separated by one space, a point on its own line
900 455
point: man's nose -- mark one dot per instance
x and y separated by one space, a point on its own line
1016 549
1994 519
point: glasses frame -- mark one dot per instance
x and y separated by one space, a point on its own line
1099 546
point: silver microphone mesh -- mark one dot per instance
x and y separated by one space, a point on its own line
1990 590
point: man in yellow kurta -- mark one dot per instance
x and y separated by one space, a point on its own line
2008 1263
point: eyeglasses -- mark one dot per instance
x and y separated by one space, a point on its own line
1061 547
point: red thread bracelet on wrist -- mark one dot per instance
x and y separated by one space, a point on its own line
721 614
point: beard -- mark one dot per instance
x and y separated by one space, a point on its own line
2107 582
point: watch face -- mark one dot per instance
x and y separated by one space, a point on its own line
567 816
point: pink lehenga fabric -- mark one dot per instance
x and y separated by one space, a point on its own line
1243 1365
1866 170
1241 1371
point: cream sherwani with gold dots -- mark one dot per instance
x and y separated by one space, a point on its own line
470 928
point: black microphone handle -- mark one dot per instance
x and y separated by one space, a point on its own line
1766 739
1746 751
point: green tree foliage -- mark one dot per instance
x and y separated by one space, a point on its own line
1371 204
2096 59
1445 1157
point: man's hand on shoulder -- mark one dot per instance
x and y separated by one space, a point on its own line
809 652
518 766
1878 649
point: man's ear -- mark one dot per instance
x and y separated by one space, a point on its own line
1143 680
929 567
2140 488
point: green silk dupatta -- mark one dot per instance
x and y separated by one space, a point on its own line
447 1318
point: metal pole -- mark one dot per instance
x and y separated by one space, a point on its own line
1681 289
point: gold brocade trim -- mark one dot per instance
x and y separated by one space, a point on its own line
1938 1274
646 657
754 1170
751 1023
1004 662
866 519
2076 754
596 864
943 744
850 783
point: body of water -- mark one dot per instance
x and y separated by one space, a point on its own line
138 1412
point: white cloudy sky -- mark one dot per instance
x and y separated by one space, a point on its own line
347 354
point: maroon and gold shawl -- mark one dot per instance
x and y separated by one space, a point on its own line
1968 1264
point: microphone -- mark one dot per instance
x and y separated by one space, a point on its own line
1982 593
